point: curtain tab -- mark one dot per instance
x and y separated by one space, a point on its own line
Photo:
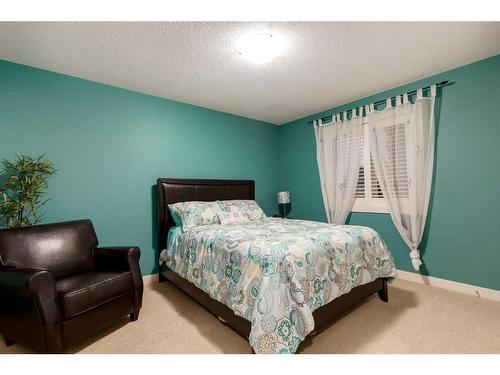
372 107
398 100
405 99
433 90
388 103
420 94
344 116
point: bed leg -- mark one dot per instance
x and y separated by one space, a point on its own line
8 342
384 293
161 278
134 316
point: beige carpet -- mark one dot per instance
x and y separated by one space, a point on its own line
417 319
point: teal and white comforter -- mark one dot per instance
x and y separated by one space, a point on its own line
276 272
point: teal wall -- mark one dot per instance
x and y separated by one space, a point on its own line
111 144
462 236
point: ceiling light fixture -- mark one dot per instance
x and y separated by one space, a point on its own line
261 48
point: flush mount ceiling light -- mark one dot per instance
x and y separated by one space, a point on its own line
261 48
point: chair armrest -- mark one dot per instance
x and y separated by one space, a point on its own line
30 280
117 258
122 258
33 292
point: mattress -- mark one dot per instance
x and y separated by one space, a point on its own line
276 272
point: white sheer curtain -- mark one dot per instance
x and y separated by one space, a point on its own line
338 150
402 149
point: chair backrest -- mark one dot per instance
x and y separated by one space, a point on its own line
61 248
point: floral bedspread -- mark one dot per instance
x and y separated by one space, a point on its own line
276 272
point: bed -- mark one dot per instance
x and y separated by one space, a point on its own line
275 296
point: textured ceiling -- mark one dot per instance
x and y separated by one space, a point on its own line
324 64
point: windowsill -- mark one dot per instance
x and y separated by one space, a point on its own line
370 206
376 206
369 211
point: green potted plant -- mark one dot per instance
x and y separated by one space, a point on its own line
22 184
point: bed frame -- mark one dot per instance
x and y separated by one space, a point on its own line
178 190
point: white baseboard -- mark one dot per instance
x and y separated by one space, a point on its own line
472 290
149 280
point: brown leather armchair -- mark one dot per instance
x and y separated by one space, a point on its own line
57 287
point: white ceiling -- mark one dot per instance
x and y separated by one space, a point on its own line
324 64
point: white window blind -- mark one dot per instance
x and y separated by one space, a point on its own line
397 175
376 191
369 196
360 188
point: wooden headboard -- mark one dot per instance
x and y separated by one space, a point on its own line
171 190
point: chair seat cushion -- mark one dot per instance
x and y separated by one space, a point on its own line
82 292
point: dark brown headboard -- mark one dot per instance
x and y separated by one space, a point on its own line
171 190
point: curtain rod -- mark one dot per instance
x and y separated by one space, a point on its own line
382 101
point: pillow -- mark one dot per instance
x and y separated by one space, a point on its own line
175 215
232 218
194 214
248 208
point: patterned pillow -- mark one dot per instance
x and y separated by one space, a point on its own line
175 215
248 208
194 214
232 218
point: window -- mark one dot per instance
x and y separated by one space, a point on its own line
369 196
